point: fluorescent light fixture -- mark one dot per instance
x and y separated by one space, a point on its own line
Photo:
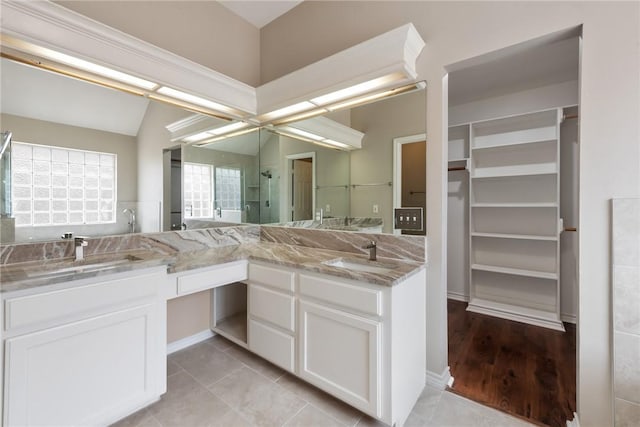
200 136
336 143
220 138
369 98
197 137
291 109
302 133
358 89
228 128
90 67
192 99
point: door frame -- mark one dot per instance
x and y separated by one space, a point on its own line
397 168
287 173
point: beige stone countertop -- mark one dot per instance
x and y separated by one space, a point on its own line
300 257
33 274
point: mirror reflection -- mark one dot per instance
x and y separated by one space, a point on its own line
95 161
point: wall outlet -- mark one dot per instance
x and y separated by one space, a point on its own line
327 208
376 209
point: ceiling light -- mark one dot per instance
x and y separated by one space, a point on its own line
302 133
220 138
174 93
200 136
80 64
358 89
336 143
197 137
228 128
375 96
291 109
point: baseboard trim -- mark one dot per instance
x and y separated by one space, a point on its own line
439 381
457 296
568 318
189 341
575 422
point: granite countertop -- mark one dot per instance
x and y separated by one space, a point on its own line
28 275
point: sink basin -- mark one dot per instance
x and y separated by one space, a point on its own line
86 265
361 265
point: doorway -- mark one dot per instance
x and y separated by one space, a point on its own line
512 279
301 170
409 173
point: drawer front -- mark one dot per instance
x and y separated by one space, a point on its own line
275 346
272 306
222 275
57 307
350 296
277 278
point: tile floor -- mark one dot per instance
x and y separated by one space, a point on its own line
216 383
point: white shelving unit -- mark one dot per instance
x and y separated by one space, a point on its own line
514 218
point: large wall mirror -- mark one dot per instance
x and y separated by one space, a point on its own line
296 180
62 178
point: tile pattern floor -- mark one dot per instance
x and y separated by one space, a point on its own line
219 384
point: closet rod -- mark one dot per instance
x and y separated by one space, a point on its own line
417 192
331 186
457 168
570 229
372 185
569 116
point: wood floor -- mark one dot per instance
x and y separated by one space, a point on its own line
525 370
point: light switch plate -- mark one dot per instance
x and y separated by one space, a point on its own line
408 219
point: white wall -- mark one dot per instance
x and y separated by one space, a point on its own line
609 149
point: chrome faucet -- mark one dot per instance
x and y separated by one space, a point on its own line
80 242
132 219
372 250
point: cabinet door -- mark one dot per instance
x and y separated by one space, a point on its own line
341 354
88 372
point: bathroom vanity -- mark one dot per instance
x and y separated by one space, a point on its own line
89 347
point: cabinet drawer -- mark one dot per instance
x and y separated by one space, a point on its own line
270 276
275 346
222 275
272 306
57 307
350 296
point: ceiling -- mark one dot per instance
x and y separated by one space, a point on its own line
527 69
42 95
260 12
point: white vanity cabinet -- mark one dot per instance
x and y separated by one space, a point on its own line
84 355
272 307
363 343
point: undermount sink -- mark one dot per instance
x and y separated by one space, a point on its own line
84 266
361 265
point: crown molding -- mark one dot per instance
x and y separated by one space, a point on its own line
50 25
391 52
330 129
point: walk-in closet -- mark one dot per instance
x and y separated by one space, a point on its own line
512 221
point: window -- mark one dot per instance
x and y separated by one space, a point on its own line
198 190
60 186
228 188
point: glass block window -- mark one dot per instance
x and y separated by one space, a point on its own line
61 186
228 188
198 190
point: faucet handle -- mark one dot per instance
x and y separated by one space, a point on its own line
80 241
371 245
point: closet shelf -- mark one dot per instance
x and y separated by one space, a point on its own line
545 318
522 144
515 236
514 174
515 271
515 205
